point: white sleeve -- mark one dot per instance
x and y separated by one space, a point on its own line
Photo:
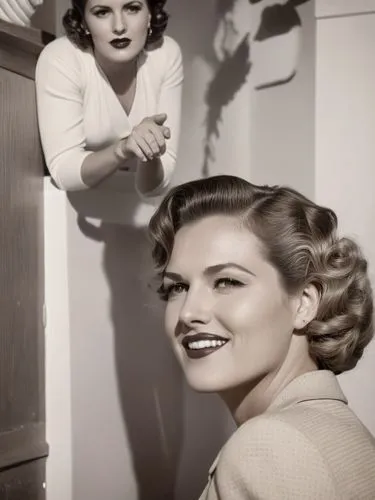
169 103
60 116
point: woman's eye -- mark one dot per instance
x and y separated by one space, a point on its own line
227 283
133 9
100 13
168 291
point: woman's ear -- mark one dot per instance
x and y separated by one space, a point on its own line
307 307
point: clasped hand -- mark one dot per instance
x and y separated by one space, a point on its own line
147 139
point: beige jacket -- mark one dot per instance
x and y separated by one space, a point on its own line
308 445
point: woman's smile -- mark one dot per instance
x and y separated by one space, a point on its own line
201 345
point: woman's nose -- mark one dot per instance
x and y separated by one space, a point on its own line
119 24
196 309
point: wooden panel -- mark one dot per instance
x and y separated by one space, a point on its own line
22 445
13 59
25 482
22 391
30 39
20 47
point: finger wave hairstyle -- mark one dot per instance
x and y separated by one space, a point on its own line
299 238
73 22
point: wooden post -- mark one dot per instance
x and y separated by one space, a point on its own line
23 447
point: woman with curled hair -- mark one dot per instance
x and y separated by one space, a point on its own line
265 305
109 95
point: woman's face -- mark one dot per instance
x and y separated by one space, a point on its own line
228 317
118 28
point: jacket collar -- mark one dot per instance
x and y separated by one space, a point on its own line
315 385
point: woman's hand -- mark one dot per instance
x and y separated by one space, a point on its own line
147 139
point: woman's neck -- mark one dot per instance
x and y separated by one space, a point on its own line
253 398
120 75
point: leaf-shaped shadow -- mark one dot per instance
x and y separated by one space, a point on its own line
224 6
277 20
228 80
296 3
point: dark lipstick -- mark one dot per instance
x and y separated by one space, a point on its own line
200 348
120 43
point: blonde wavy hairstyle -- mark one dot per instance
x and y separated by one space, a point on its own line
299 238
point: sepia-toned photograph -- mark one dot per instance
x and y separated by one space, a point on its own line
187 249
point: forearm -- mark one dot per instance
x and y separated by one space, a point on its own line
150 175
101 164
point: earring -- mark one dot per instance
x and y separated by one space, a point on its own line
149 32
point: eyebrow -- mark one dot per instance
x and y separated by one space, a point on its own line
98 5
126 4
209 271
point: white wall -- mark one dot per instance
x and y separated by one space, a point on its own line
339 8
45 17
48 16
57 339
282 138
345 150
61 7
266 136
201 64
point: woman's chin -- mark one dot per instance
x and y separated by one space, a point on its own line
205 384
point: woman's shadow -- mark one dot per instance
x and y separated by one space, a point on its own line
174 434
149 381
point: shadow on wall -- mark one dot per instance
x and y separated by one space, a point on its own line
149 382
267 50
173 435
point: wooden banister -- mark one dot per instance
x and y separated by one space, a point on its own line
20 47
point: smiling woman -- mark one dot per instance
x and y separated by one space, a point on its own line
114 82
265 304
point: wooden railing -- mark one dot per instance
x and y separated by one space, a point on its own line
20 48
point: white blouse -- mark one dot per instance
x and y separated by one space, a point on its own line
79 112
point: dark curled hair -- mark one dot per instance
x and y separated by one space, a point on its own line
73 22
299 238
